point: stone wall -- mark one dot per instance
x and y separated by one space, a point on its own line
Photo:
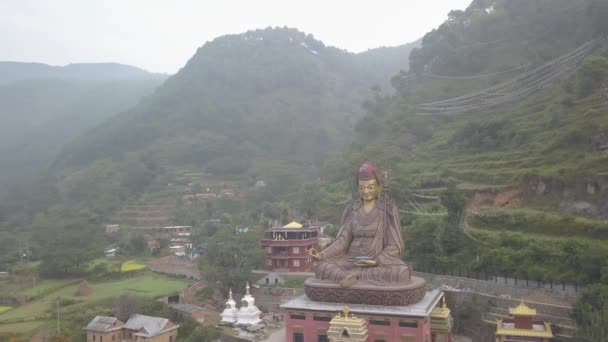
504 289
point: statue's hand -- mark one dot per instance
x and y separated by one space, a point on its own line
314 254
366 263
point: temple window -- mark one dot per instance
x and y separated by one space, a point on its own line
296 250
322 338
296 262
377 322
298 337
293 316
322 318
408 324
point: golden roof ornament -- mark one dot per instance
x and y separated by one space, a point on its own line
522 310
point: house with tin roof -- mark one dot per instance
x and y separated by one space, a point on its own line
136 328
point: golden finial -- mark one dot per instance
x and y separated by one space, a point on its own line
444 306
346 310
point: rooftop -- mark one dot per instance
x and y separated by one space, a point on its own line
522 310
187 308
293 224
104 324
147 325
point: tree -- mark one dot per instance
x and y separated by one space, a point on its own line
137 244
66 242
590 313
451 237
229 258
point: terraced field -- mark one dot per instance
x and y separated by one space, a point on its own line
28 317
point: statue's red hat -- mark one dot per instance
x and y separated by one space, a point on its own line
367 171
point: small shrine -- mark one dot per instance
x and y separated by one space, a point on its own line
441 323
286 247
230 312
522 326
248 314
347 328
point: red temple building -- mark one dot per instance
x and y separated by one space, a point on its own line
286 247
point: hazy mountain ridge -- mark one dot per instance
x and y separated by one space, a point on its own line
20 71
273 92
44 107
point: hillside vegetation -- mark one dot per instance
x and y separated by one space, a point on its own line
244 105
547 149
42 108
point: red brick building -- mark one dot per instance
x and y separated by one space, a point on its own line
286 247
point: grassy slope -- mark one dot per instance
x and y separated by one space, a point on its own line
545 126
147 285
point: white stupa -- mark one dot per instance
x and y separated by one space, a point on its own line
248 314
230 312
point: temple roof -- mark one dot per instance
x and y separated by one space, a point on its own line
522 310
293 224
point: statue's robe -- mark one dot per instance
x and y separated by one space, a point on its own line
376 234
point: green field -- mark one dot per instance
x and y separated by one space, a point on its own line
4 308
147 285
25 328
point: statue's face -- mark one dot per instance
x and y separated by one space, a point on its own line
369 190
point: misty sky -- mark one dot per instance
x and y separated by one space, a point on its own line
161 36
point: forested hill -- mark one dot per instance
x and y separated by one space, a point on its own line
240 104
43 107
507 171
553 131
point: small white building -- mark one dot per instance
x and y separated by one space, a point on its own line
230 312
110 253
248 314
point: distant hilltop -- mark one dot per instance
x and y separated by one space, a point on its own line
18 71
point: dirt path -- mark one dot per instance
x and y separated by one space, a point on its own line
276 336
